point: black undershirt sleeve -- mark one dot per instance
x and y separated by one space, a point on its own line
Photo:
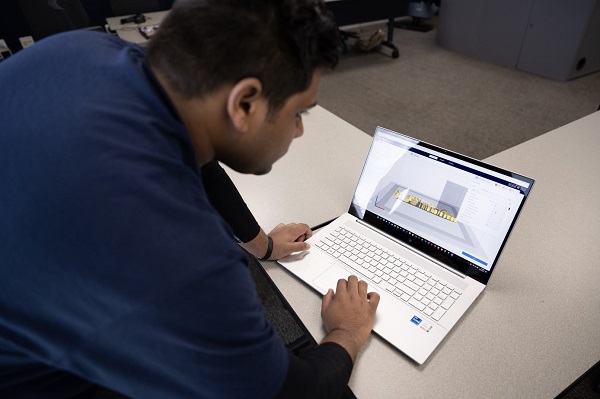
226 199
322 373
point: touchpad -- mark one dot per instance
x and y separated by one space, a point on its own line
329 278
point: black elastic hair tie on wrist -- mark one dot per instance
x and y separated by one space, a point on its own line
269 249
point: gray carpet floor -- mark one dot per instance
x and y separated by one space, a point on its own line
455 101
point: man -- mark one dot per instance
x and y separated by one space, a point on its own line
115 269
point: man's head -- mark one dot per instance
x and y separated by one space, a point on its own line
242 73
205 44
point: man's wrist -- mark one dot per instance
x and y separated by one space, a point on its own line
269 249
346 340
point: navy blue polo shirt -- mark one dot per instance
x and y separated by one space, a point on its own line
114 268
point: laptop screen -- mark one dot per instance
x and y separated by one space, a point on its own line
457 210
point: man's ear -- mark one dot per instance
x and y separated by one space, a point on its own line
244 103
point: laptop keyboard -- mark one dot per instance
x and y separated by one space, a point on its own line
413 285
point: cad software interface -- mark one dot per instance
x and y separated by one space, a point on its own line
458 207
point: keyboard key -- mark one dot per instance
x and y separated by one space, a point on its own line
447 303
405 289
368 274
411 285
416 304
438 314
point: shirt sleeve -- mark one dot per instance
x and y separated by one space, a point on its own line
226 199
322 373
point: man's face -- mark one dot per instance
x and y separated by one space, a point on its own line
274 135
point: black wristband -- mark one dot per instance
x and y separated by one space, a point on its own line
269 249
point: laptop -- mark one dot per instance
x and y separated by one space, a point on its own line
424 229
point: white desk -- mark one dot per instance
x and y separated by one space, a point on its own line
129 31
533 331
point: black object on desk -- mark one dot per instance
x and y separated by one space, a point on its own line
136 19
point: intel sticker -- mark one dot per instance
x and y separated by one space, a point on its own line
416 320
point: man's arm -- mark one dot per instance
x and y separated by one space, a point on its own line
322 373
226 199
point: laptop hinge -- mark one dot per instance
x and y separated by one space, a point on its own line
397 241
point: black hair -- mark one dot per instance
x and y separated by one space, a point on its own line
204 44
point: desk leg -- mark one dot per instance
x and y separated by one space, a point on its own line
390 39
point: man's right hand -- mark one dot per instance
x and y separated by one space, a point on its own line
349 314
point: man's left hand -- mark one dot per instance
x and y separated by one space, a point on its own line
289 238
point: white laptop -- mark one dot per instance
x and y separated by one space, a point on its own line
425 229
